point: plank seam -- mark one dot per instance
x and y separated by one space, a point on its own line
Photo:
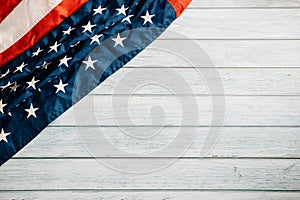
197 67
178 126
157 158
230 39
200 95
152 190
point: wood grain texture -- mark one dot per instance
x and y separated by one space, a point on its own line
243 4
223 53
168 111
237 24
234 142
265 174
170 195
235 81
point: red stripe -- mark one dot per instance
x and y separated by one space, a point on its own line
6 7
179 5
50 21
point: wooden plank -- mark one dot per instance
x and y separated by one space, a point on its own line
170 195
261 174
235 81
244 3
181 111
223 53
237 24
233 142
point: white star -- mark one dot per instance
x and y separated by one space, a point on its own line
98 10
37 52
127 19
89 63
95 38
3 75
64 61
60 87
31 111
68 31
118 40
2 105
54 47
20 67
122 10
44 65
14 87
5 86
88 27
147 18
32 83
3 135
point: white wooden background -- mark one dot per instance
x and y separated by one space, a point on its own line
256 45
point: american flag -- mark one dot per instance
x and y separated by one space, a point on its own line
54 52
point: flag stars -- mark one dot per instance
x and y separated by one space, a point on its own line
32 83
122 10
14 87
89 63
2 105
60 87
95 38
148 18
3 135
3 75
37 52
88 27
44 65
99 10
5 86
20 67
118 40
64 61
31 111
68 31
127 19
54 47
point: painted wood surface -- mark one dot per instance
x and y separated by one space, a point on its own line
265 174
151 110
271 142
236 81
255 46
223 53
141 195
237 24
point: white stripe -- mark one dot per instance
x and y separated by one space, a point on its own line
22 19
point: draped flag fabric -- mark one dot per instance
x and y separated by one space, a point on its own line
54 52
